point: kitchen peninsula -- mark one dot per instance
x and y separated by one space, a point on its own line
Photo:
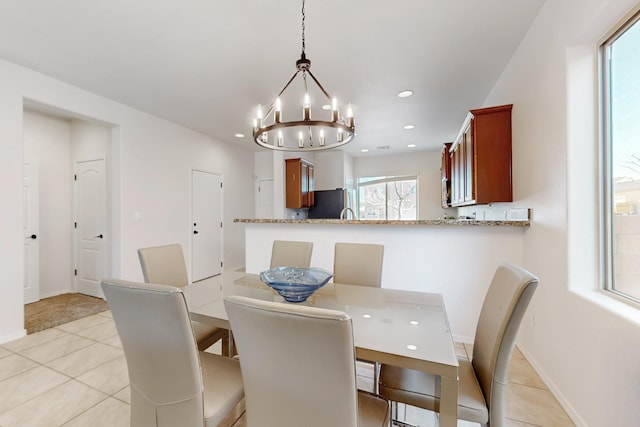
456 258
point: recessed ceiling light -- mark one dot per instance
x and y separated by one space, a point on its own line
364 150
409 127
326 107
405 93
239 135
412 347
411 145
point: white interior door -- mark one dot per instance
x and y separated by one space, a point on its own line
90 226
206 225
30 232
264 205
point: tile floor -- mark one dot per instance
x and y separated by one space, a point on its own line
76 375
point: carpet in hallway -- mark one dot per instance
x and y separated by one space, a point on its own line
54 311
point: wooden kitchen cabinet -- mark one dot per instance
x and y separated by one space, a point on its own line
481 158
299 183
445 173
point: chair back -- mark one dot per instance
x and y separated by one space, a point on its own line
164 265
289 253
502 311
298 363
162 358
358 264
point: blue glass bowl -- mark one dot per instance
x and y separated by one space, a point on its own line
295 284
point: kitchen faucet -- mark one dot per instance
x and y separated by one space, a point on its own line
343 211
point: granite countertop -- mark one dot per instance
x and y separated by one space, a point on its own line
452 222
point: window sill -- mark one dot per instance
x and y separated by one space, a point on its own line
618 306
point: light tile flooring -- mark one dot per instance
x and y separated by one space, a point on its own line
76 375
529 402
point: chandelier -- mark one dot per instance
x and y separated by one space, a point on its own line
307 134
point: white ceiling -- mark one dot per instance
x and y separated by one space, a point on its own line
207 64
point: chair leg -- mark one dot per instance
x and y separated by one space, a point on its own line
394 417
402 424
376 377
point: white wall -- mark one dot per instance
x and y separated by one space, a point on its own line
424 164
151 165
585 344
329 172
48 140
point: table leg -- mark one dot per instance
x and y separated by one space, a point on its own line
448 402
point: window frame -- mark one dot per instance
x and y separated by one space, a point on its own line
606 174
386 179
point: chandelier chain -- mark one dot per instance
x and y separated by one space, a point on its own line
303 39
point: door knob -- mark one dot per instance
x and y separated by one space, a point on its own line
195 231
99 236
33 236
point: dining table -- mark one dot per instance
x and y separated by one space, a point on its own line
409 329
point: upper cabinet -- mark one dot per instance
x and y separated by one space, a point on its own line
299 183
445 172
480 158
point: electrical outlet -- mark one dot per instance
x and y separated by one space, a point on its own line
518 214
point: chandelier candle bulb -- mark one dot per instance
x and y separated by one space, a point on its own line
350 116
340 135
321 137
300 140
259 117
334 109
306 107
280 139
278 113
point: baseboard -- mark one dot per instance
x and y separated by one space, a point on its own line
571 412
13 337
56 293
462 339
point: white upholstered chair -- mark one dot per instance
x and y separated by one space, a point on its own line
298 366
483 380
358 264
172 383
165 265
290 253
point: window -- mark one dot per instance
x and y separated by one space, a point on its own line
385 197
620 59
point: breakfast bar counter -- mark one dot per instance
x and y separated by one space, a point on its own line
455 258
424 222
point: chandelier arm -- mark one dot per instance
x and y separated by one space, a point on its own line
319 85
288 83
281 92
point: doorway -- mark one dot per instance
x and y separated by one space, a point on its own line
30 233
206 224
57 141
90 226
264 204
